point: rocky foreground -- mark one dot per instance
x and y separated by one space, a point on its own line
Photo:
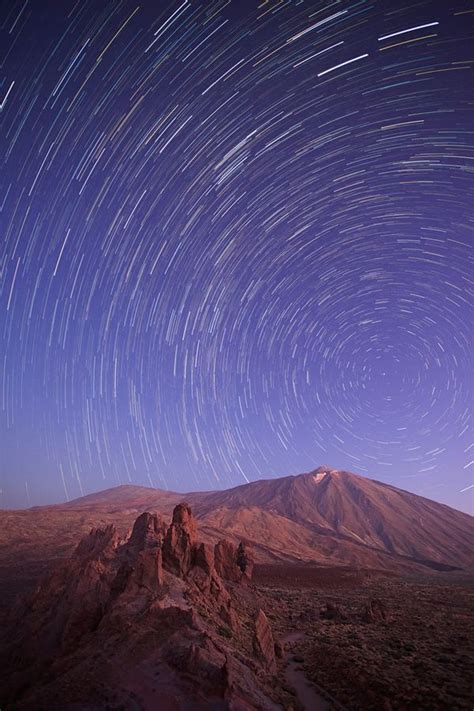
153 621
375 642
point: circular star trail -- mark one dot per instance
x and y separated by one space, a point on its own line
235 243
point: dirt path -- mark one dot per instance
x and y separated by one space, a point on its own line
307 693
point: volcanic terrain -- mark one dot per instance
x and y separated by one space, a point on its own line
360 598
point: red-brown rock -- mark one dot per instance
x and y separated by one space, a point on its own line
245 560
225 556
149 570
263 643
148 532
100 543
111 627
279 648
202 571
179 542
204 558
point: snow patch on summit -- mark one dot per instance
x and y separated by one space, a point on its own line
319 477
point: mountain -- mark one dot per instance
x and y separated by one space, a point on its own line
336 515
326 516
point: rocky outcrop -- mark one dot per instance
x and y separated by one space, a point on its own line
156 600
140 561
148 531
245 561
202 571
100 543
263 643
203 660
233 563
179 541
204 558
225 556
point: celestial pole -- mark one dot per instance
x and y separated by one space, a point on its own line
236 243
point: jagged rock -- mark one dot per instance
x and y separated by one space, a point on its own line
207 663
203 570
149 570
233 564
148 532
204 558
154 601
225 556
263 643
100 542
179 541
245 561
228 615
183 517
375 611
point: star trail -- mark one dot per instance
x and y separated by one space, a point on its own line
235 243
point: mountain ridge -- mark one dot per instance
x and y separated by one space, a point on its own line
209 492
323 517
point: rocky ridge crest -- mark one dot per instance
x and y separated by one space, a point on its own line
156 615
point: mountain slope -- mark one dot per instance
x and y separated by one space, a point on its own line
336 504
326 516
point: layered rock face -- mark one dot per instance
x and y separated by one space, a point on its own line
149 616
264 643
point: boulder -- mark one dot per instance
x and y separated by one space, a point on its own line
279 648
263 642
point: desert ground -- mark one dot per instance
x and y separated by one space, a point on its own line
420 657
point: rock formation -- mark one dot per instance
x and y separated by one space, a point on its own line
244 560
148 617
225 555
179 541
148 532
100 543
264 643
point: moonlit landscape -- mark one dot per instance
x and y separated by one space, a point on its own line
236 264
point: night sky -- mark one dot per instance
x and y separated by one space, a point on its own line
235 243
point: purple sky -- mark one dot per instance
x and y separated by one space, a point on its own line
235 244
